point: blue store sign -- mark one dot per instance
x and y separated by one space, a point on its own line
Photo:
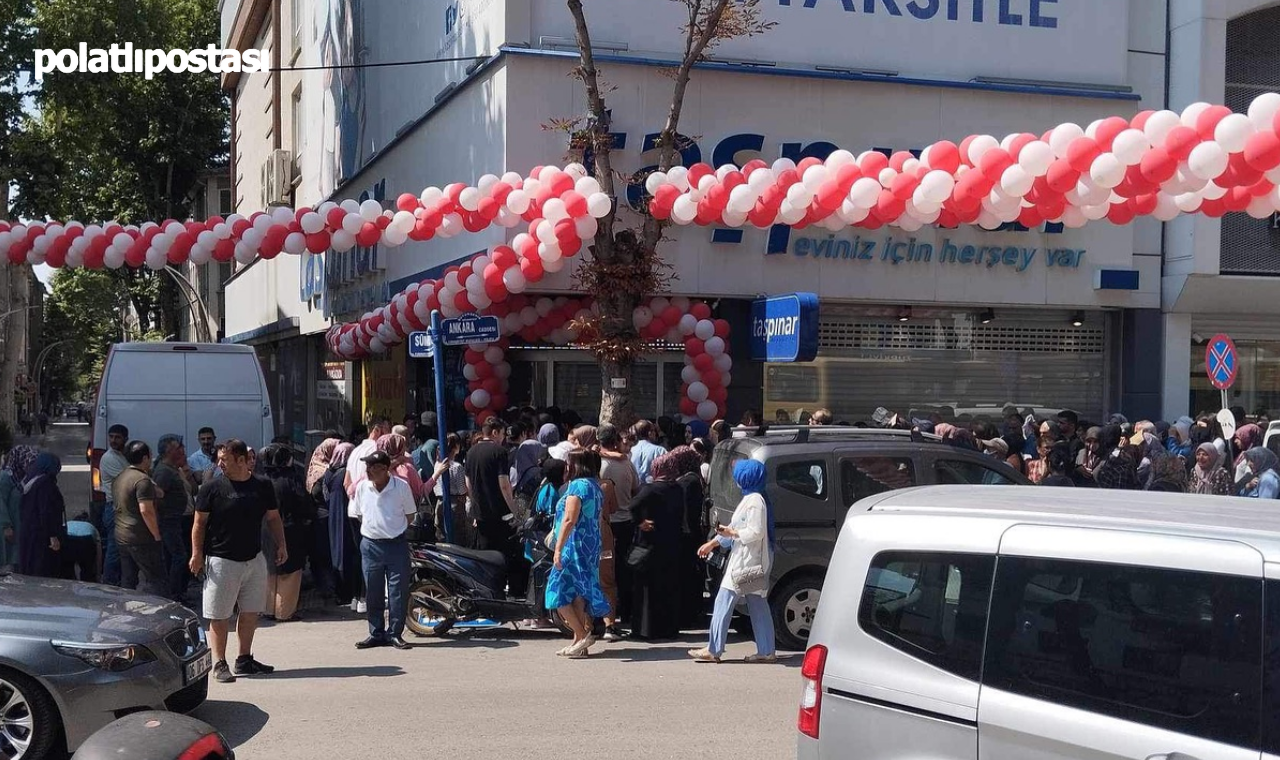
785 328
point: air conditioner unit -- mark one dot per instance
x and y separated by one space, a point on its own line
277 178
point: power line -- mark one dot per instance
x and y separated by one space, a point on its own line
381 64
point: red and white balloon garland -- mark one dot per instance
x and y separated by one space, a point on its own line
1159 163
705 377
559 205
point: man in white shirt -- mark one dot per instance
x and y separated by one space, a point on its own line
355 465
383 504
109 468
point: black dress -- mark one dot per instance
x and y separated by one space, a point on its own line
693 574
655 609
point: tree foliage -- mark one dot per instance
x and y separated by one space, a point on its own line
119 146
82 310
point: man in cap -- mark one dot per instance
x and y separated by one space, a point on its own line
384 504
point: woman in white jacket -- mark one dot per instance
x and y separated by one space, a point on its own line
749 538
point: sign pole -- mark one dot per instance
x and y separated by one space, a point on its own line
446 499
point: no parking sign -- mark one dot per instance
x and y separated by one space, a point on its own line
1221 362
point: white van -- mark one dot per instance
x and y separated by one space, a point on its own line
977 622
159 388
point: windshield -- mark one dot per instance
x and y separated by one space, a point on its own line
725 493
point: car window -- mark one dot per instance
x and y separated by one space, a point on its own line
931 606
807 478
724 489
1172 649
861 477
966 472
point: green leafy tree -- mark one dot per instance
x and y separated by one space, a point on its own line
82 309
120 146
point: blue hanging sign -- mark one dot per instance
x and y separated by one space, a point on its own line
785 328
421 345
471 328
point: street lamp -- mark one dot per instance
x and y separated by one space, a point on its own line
39 365
203 332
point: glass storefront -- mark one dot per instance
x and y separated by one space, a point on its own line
945 360
572 381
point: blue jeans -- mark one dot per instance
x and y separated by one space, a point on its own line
175 557
761 621
386 570
110 552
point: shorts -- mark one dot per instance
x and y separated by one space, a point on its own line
228 583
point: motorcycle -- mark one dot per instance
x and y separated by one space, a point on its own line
453 585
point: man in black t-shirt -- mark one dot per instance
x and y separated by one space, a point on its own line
489 483
228 531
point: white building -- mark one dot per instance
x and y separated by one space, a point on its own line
1064 319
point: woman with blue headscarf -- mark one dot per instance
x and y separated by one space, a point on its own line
11 478
749 537
40 543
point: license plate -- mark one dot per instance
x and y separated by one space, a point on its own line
197 668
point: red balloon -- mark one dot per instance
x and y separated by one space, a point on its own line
1242 172
944 155
693 346
873 163
318 242
704 362
407 202
484 370
489 209
505 257
1144 205
1158 166
532 269
658 327
902 187
574 203
1262 150
1140 119
712 379
722 328
899 160
1108 129
671 315
994 162
1062 176
1181 141
1120 214
1081 152
224 250
1054 207
1261 188
687 407
806 162
1030 217
1213 208
1237 199
700 310
720 395
1208 120
889 206
368 236
470 407
462 303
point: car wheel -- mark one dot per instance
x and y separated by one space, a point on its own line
794 605
29 721
418 614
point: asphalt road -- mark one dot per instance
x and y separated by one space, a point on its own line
484 694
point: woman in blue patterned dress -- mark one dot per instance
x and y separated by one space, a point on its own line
573 586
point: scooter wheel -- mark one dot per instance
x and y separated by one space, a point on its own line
419 619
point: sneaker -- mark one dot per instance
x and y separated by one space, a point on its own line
247 666
355 604
614 633
222 673
361 607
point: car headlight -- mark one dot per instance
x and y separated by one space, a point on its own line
113 659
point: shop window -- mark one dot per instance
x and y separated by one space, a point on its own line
868 476
965 472
1171 649
931 606
578 385
807 478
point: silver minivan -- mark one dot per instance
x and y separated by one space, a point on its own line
973 622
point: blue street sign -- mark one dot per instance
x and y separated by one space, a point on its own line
421 346
1221 362
471 328
785 328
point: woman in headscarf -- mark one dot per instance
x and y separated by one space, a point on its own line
688 465
1159 470
1209 476
658 510
1247 437
394 446
1265 481
1179 442
526 472
719 431
11 477
573 586
344 538
1089 458
1117 468
695 429
297 511
321 563
319 464
42 519
749 536
584 437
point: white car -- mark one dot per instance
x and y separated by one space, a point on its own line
976 622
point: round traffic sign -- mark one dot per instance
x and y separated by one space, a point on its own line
1221 362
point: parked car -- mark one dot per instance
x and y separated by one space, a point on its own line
816 475
77 656
159 388
1048 623
156 735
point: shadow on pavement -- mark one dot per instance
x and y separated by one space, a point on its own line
237 721
366 671
450 641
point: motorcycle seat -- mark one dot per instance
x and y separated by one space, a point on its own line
494 558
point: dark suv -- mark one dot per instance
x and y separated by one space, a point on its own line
816 474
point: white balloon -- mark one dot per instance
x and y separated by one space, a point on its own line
688 323
864 192
1192 112
1159 125
518 201
502 370
514 280
480 398
350 205
814 176
724 362
979 146
586 227
469 198
1233 132
549 253
200 255
451 225
705 329
1207 160
113 258
295 243
155 259
655 181
698 392
312 222
599 205
403 220
1188 202
936 187
1107 171
1035 157
1062 136
715 345
587 186
641 317
1016 181
341 241
351 223
1212 191
493 354
1263 110
529 316
839 158
370 210
707 411
1129 146
684 210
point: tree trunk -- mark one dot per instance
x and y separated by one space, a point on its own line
15 331
8 363
616 407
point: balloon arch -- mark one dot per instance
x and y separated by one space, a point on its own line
1205 160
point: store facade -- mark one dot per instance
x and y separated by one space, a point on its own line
966 319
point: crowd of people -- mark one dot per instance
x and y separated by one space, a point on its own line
1186 456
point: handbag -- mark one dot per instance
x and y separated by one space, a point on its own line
640 557
749 579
